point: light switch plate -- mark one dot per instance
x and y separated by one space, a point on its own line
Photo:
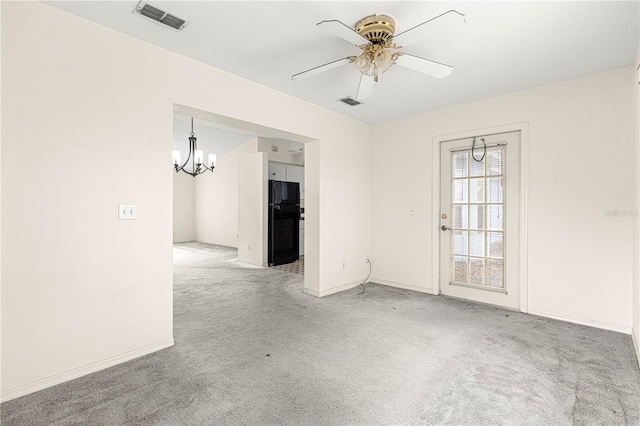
127 212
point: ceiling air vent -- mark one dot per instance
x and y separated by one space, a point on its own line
350 101
161 16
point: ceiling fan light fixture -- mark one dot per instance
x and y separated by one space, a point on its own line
377 29
376 62
377 56
384 60
365 64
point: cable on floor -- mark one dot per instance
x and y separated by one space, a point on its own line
365 280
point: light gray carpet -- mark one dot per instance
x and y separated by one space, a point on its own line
252 349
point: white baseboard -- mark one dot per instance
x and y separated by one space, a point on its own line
310 292
402 286
56 379
331 290
636 345
582 321
372 280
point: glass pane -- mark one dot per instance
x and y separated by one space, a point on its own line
476 271
477 217
476 244
477 238
476 190
494 190
460 164
477 167
494 162
495 273
494 244
494 217
461 217
460 191
460 242
460 269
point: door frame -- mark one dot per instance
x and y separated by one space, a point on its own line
523 128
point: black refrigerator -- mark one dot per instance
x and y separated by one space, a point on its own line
284 222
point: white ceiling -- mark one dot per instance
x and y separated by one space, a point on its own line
209 137
503 47
214 137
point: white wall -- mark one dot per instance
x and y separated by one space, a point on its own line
80 289
252 218
580 164
282 154
216 199
183 208
216 194
636 219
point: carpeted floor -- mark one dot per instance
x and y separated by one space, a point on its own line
252 349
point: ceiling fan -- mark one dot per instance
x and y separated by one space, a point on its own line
375 35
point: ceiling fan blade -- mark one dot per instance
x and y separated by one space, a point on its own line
321 68
419 32
425 66
343 31
365 88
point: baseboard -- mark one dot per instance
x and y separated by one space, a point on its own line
330 291
582 321
402 286
66 376
636 345
311 292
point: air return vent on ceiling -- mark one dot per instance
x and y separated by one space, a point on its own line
350 101
156 14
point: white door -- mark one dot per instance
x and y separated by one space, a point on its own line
479 219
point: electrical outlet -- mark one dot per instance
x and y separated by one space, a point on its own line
344 265
127 212
249 247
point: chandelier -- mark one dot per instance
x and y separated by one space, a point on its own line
193 165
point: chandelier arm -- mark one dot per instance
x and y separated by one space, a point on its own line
206 168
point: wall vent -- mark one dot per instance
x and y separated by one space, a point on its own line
159 15
350 101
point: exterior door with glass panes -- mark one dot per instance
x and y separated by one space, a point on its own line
479 219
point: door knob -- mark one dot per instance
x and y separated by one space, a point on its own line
445 228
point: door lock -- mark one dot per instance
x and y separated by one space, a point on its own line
445 228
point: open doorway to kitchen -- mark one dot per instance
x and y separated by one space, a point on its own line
229 206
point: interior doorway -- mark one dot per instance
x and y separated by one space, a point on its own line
226 210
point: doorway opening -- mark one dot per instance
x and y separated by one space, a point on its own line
228 207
